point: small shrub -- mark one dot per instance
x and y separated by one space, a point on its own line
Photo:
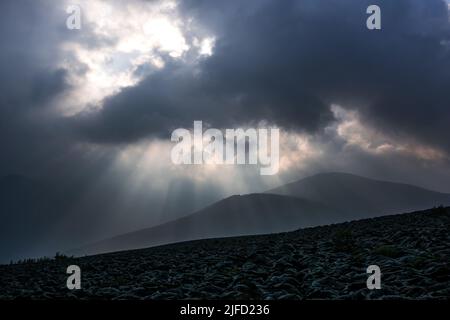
343 240
418 262
61 256
389 251
29 261
440 210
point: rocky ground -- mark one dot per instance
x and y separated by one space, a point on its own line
412 250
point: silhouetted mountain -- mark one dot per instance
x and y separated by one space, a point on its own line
360 197
317 200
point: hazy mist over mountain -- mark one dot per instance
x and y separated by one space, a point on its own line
318 200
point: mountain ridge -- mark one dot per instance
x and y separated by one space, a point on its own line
358 195
332 198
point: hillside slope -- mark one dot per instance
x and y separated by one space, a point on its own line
327 262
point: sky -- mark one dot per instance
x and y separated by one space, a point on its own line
86 115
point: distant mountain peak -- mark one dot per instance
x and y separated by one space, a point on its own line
316 200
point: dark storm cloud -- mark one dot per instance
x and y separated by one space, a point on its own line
287 61
33 135
28 80
43 175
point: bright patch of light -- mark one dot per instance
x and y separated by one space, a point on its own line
205 46
165 35
297 151
118 38
350 128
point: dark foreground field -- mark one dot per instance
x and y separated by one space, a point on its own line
412 250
